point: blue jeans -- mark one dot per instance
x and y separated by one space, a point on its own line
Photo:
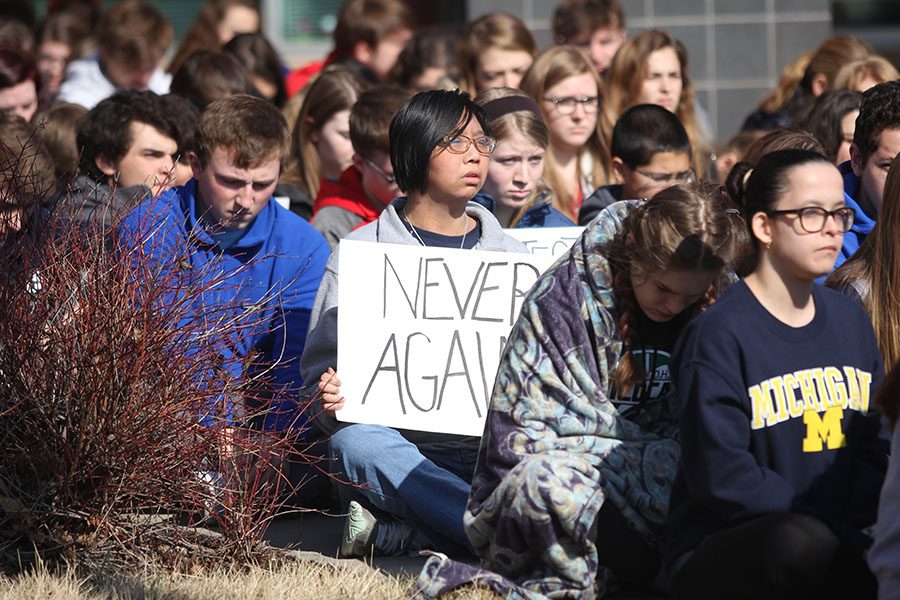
381 468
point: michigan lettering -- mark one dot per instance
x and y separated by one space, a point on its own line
820 396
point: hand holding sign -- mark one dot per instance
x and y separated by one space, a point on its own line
330 392
421 331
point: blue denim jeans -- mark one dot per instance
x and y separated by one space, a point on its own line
379 468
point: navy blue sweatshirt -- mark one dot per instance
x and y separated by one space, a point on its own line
776 419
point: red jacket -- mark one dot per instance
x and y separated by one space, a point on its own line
297 79
347 193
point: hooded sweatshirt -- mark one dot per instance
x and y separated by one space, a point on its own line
274 266
342 206
600 199
89 202
862 222
86 84
321 341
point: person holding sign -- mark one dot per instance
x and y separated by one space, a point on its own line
783 453
580 444
417 482
514 188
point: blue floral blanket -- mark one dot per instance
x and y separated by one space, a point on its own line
555 448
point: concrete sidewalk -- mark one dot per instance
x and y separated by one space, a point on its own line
321 533
317 532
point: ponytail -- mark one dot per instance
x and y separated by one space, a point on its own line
758 189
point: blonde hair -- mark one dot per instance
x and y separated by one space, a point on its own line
788 83
550 68
529 124
853 74
626 78
497 30
334 90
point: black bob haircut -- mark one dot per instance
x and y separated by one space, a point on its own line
105 130
421 125
645 130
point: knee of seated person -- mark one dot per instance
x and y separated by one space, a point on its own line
360 444
357 437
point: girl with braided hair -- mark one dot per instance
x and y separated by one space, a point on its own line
783 454
580 444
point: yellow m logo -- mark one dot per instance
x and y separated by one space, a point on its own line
825 428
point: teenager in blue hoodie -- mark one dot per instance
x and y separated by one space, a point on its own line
224 232
783 455
876 141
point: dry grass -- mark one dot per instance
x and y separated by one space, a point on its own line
293 581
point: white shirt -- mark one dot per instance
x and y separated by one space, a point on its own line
85 83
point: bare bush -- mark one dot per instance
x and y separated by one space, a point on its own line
123 407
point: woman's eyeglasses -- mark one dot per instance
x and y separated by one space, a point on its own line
459 144
813 218
566 106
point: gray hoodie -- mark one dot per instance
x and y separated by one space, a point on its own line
87 201
321 340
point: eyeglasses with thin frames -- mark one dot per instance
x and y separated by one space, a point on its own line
389 179
566 106
683 177
459 144
814 218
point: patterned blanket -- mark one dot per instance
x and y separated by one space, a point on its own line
555 448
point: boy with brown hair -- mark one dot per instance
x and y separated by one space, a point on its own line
225 228
126 147
368 38
368 185
876 141
597 26
132 38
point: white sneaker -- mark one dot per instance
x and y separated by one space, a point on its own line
364 534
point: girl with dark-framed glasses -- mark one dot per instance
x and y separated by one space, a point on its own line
566 86
783 455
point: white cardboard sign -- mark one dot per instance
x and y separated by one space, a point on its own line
546 241
421 330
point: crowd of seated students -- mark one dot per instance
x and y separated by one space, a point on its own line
748 465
